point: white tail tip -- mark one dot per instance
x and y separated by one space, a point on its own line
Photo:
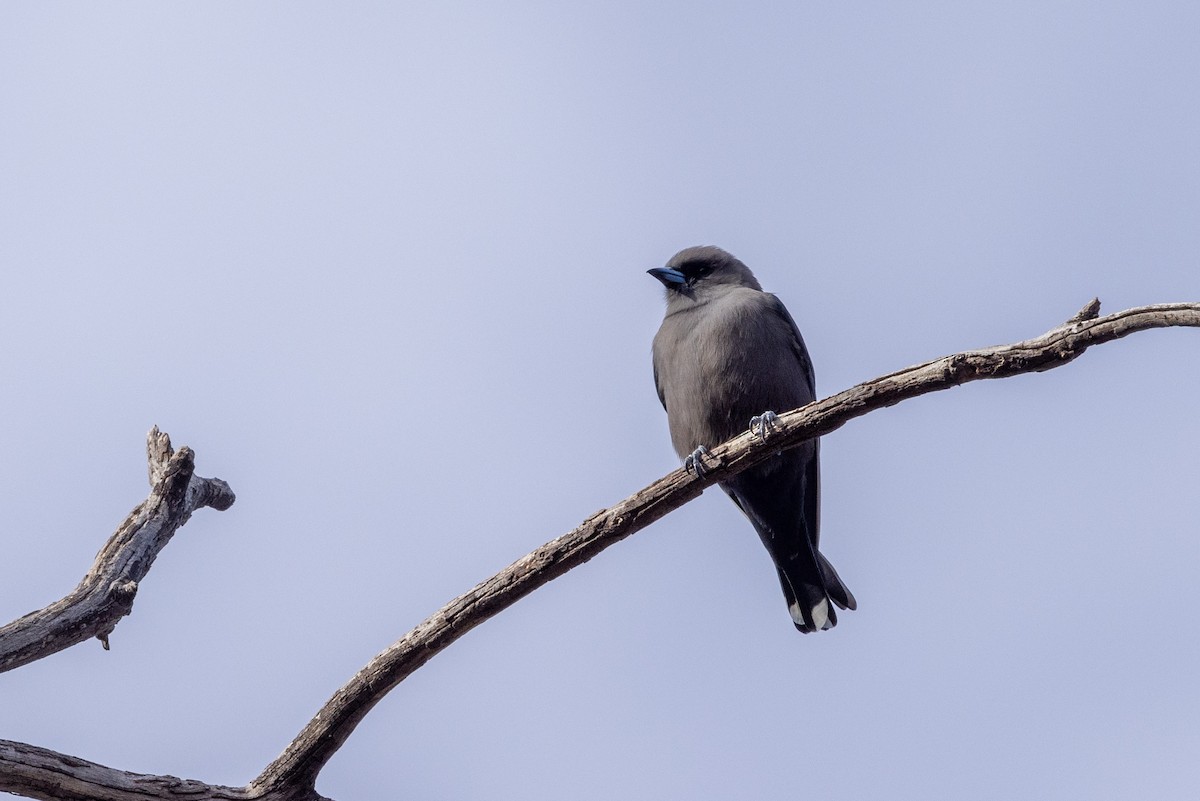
820 615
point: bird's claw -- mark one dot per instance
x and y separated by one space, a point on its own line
762 425
694 462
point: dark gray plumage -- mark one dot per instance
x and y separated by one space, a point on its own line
728 353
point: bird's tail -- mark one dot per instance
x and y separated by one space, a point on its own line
811 604
838 592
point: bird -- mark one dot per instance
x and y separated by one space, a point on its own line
726 357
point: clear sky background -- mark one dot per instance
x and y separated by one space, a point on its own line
383 266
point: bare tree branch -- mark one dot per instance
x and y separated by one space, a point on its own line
303 759
43 774
106 593
40 773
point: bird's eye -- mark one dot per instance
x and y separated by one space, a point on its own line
697 270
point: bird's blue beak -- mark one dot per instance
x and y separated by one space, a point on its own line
668 276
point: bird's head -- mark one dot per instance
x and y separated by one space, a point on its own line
702 270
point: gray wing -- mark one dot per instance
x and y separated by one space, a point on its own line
658 387
797 343
838 591
812 470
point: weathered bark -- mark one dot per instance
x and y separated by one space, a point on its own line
293 775
106 593
39 773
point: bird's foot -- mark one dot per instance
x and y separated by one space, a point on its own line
763 424
694 462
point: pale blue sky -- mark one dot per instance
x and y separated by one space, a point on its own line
383 267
